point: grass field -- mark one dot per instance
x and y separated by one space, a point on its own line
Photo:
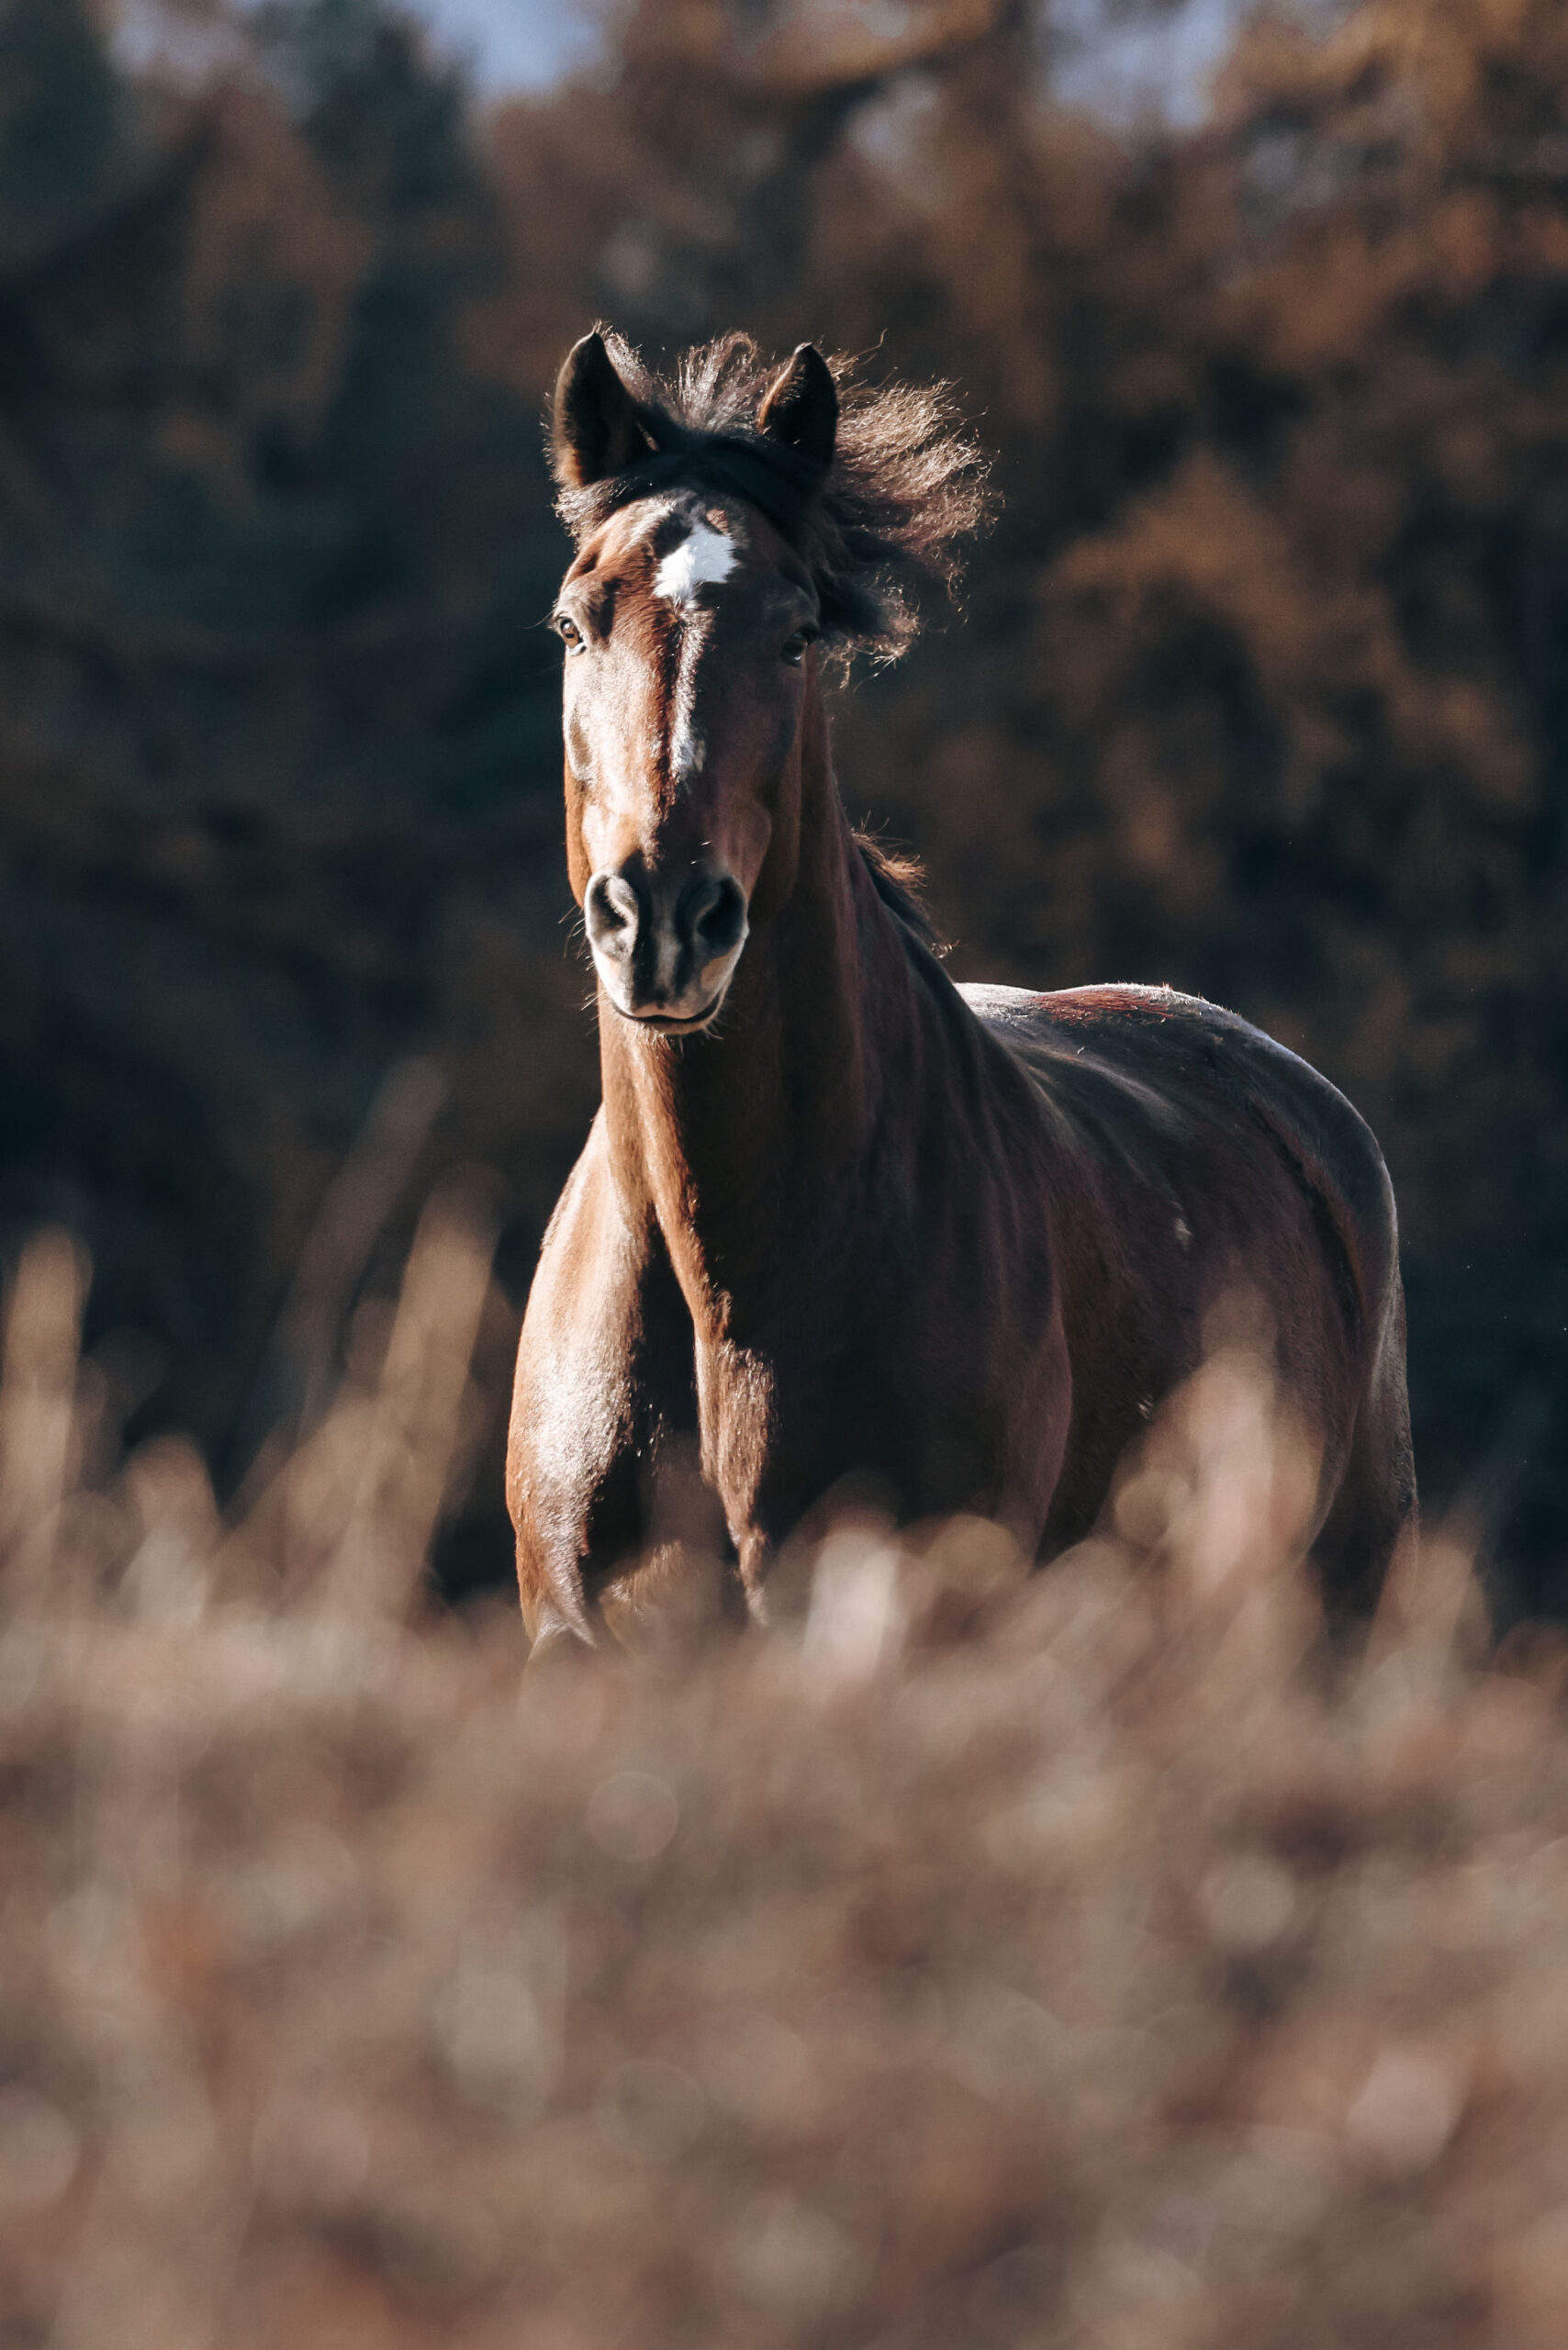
981 1960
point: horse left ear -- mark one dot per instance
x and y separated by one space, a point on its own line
801 406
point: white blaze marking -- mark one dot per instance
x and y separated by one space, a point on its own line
688 750
702 560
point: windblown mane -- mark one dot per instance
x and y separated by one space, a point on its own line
899 881
880 536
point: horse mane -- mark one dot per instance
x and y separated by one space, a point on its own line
899 881
881 535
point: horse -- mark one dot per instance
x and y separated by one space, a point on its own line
837 1218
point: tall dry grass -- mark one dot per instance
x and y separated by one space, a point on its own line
981 1960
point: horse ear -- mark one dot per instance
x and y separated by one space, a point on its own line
801 406
594 430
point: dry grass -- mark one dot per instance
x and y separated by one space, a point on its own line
979 1962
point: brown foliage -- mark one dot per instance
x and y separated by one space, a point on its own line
982 1958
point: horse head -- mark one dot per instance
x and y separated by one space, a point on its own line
689 616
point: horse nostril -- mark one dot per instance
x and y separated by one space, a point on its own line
611 913
720 921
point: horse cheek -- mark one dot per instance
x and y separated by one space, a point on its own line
579 866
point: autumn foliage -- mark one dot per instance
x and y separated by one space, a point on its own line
1259 688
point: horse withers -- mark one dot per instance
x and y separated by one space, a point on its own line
836 1218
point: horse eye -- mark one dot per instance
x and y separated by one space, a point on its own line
569 634
795 651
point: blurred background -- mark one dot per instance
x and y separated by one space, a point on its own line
1261 687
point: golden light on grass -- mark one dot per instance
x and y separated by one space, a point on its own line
976 1959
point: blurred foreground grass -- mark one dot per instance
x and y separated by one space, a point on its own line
979 1960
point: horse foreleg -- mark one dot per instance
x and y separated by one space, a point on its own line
571 1450
601 1473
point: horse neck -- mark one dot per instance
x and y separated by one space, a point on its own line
733 1137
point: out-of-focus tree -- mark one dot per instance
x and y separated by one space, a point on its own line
61 116
707 151
269 556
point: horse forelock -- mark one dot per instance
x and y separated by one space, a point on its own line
711 464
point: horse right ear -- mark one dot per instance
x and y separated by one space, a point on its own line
594 429
801 406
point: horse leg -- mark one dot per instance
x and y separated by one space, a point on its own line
603 1413
1373 1514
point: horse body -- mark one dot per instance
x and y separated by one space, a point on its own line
1200 1164
837 1217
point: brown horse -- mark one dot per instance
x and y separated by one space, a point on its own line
837 1216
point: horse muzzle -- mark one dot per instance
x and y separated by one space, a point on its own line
664 948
